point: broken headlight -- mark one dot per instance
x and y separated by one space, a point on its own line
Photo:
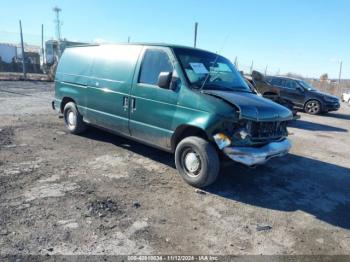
233 131
222 140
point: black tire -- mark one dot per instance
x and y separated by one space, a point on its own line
73 119
206 155
313 107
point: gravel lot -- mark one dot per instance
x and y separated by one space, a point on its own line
102 194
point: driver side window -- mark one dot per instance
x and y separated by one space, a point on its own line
154 61
290 84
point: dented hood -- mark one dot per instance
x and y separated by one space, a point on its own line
253 107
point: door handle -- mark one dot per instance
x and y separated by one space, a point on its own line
125 103
133 104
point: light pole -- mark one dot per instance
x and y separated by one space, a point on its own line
57 10
23 55
339 78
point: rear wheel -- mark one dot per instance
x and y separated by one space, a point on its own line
73 119
197 161
313 107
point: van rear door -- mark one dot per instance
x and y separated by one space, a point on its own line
110 84
152 108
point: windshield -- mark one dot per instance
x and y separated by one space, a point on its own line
307 86
215 72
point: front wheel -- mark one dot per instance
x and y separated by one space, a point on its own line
313 107
197 161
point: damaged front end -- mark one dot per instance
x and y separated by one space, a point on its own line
256 133
251 142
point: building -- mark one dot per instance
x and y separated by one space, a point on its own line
54 49
11 58
8 52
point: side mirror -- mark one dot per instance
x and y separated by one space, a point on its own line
164 79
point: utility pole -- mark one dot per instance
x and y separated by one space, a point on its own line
128 39
195 34
251 67
236 62
265 70
23 55
340 68
42 44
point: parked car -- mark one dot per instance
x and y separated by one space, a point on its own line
298 92
183 100
276 97
346 97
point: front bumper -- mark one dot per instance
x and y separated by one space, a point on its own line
258 155
331 106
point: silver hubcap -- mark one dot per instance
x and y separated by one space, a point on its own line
312 107
71 119
192 162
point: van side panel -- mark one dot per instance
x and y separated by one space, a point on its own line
109 85
72 76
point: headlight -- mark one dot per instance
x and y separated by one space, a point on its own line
222 140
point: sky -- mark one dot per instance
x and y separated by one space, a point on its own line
304 37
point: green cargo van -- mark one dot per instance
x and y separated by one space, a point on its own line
179 99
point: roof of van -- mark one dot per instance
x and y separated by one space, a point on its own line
142 44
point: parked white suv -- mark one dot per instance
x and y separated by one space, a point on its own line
346 97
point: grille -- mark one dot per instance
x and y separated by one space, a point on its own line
264 130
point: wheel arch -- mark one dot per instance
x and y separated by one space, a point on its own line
64 101
185 131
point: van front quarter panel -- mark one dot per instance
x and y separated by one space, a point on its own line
200 112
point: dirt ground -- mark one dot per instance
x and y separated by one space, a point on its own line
98 193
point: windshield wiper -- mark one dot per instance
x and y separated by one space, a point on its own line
243 91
